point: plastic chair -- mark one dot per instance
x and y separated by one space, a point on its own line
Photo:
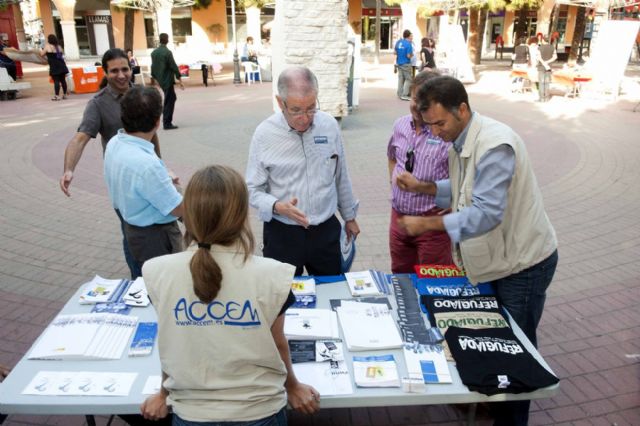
251 71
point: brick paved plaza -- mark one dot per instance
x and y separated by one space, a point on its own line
585 153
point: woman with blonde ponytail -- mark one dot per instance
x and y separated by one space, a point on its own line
220 312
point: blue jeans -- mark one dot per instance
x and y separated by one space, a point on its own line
134 267
277 419
523 294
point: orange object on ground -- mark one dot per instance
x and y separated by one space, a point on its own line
86 80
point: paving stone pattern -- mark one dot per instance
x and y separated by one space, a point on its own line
586 158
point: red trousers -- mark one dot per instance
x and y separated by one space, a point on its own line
433 247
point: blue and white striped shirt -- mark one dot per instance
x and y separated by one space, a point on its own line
311 166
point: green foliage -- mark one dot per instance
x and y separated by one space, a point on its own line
201 4
251 3
215 29
519 4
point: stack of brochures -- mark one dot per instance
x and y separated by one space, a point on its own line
368 326
428 362
102 290
367 283
143 340
85 337
375 371
310 324
304 290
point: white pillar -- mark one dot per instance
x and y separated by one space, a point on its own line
253 25
163 13
295 41
71 50
409 21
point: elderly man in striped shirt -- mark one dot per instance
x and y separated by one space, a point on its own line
297 178
415 155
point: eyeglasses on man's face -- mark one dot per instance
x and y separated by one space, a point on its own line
297 112
411 158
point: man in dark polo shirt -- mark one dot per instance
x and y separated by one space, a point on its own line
164 72
102 116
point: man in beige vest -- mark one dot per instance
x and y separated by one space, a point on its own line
498 226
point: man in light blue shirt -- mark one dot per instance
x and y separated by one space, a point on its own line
404 52
297 178
139 185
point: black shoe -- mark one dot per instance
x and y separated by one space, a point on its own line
170 127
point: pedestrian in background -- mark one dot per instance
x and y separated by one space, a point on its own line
404 52
164 72
57 67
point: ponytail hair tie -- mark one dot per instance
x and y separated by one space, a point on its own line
204 246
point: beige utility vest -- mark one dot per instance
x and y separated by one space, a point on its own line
525 236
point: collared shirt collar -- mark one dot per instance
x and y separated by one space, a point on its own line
423 128
458 143
113 93
144 144
285 123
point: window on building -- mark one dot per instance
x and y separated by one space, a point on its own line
82 35
180 26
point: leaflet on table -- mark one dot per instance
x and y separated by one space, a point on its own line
152 385
311 324
143 339
304 290
428 362
136 294
315 350
303 286
328 378
335 303
102 290
367 283
85 336
375 371
368 326
80 383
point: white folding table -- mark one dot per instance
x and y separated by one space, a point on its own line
12 401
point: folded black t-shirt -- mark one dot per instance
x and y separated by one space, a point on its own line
476 305
492 361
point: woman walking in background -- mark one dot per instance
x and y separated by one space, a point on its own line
427 54
133 64
57 67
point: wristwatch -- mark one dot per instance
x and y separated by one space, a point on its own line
273 209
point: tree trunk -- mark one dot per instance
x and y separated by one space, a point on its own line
521 28
553 25
472 36
482 24
578 33
129 23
